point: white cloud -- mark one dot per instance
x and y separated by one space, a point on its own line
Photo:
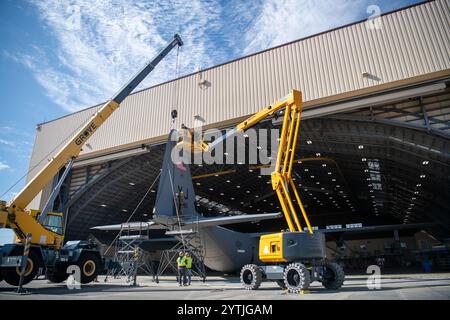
6 142
281 21
101 44
4 166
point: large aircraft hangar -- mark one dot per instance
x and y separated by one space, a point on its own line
372 159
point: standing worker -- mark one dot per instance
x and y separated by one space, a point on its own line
188 267
181 263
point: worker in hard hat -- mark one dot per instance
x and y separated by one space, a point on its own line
188 267
181 264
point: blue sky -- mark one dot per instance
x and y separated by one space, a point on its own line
59 56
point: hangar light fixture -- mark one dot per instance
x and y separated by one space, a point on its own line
308 141
103 205
131 183
425 162
360 147
422 176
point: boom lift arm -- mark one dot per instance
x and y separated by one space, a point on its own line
22 221
281 177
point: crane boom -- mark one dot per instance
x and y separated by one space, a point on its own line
73 147
22 221
281 177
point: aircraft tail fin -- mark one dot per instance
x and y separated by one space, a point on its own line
176 194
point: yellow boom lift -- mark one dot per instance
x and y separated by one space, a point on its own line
48 250
293 258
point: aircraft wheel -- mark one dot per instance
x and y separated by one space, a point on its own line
251 277
296 277
332 276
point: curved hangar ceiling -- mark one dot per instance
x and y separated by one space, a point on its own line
388 164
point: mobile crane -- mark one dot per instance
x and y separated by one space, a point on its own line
48 250
293 258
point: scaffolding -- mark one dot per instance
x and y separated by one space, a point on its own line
189 240
129 257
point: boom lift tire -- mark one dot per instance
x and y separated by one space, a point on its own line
251 277
89 265
12 274
296 277
333 276
57 276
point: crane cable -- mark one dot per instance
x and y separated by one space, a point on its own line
132 214
175 93
176 209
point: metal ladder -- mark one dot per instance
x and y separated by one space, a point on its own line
129 255
189 240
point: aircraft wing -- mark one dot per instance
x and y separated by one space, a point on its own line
379 228
130 226
218 221
202 222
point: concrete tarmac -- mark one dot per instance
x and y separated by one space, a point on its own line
434 286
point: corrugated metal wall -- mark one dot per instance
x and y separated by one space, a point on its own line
411 42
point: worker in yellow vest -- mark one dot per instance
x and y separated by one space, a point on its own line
181 264
188 267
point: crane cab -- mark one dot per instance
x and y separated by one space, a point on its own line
54 221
